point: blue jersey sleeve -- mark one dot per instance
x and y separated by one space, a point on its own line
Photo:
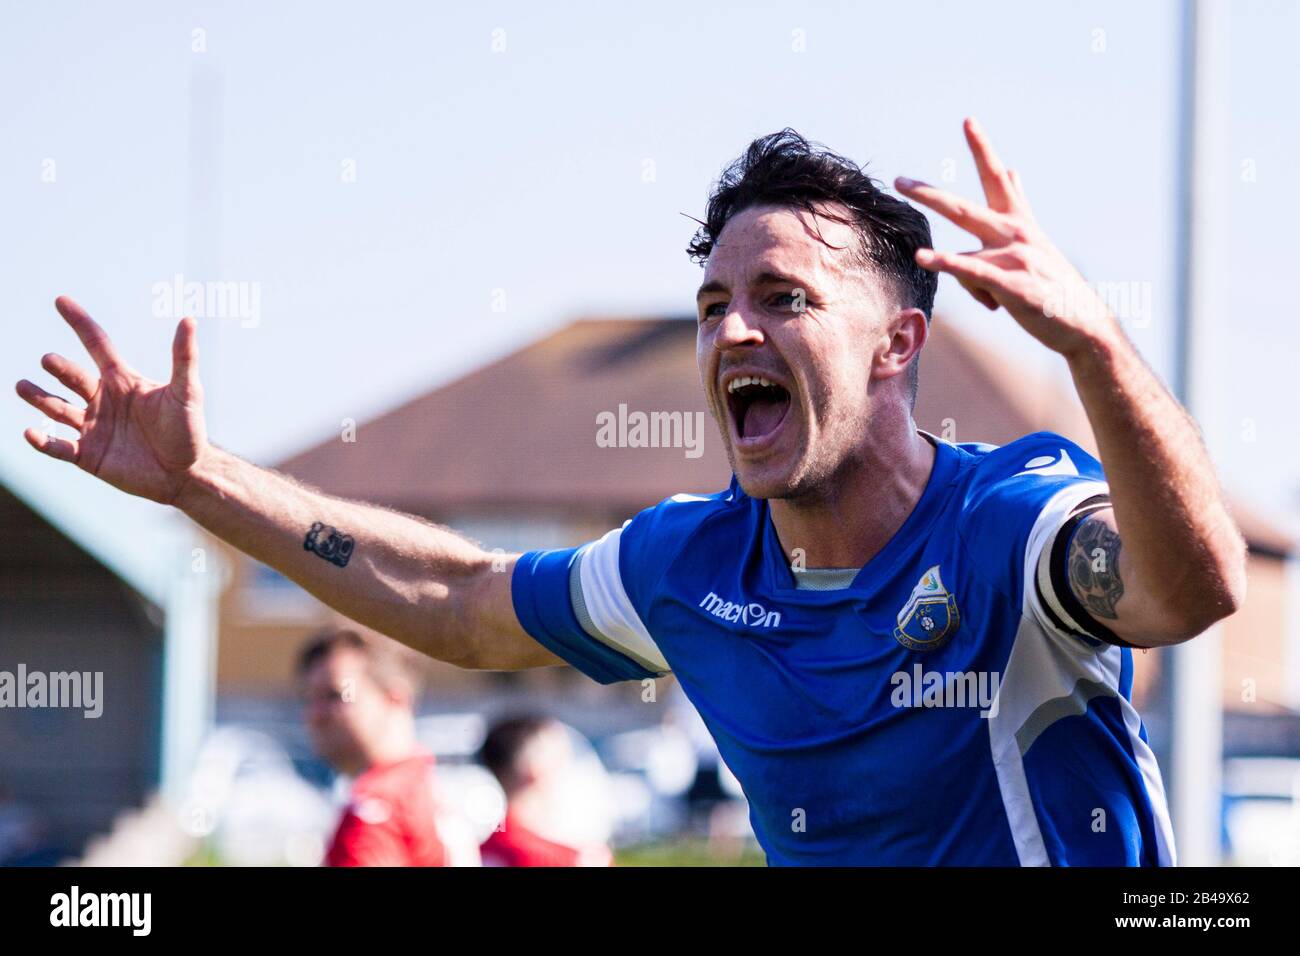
1023 497
592 605
541 590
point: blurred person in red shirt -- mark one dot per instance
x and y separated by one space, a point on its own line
529 755
360 700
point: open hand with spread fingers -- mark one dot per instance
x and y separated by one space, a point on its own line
1018 267
141 436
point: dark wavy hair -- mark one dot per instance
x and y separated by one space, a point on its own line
784 169
506 740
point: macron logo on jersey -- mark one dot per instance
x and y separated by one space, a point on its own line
1047 465
752 614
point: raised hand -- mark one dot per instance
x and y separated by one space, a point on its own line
140 436
1018 267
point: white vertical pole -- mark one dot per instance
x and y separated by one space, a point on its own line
189 659
1196 678
196 574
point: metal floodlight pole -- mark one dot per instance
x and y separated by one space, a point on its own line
1193 692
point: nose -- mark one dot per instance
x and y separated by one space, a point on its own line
737 330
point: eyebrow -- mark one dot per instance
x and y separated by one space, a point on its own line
763 278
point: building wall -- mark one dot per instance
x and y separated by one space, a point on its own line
62 611
1255 655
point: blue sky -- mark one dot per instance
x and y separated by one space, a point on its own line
520 176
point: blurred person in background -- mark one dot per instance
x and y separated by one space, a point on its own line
359 701
715 799
529 755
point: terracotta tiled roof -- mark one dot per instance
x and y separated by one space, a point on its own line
521 433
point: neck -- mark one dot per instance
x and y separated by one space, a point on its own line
848 522
398 744
531 809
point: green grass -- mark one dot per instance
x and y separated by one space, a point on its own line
688 853
671 853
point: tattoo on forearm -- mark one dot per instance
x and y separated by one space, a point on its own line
330 543
1094 568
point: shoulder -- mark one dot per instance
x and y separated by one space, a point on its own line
1033 463
1009 484
685 514
395 783
649 542
514 845
1015 494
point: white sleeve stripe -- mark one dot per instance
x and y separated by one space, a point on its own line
1046 588
613 619
1041 537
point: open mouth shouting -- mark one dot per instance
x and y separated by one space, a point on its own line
758 406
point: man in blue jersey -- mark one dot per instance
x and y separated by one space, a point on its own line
909 651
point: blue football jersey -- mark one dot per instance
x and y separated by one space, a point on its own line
949 706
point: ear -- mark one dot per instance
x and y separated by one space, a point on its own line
903 338
400 694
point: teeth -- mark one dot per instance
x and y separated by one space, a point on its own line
743 380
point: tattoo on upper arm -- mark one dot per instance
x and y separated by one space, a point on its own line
1094 568
330 543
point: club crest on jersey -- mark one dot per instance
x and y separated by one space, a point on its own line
929 617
